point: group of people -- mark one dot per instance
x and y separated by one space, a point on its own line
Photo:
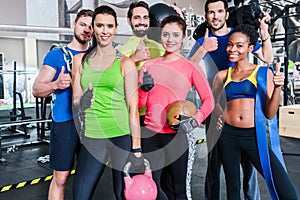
124 95
212 49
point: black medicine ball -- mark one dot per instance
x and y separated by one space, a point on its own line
158 12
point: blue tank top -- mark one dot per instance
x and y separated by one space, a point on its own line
245 88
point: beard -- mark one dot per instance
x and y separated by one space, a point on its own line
81 41
140 33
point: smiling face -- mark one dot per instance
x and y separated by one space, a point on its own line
172 37
105 28
216 15
139 21
238 47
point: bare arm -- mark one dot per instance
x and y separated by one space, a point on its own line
273 91
131 90
198 55
209 44
44 85
265 54
217 116
218 90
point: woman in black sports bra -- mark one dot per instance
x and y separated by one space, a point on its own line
239 132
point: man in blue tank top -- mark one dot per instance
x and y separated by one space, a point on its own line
54 77
212 49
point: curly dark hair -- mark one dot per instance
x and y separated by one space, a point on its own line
248 30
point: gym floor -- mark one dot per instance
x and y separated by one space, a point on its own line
22 177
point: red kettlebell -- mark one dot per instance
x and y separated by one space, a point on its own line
141 186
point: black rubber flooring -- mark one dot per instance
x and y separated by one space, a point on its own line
22 166
23 177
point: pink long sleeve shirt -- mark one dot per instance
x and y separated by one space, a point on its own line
172 82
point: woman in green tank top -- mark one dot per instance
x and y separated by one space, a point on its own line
105 89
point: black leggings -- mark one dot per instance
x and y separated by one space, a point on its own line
235 141
212 178
167 150
92 162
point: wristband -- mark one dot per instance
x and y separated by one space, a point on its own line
265 39
137 150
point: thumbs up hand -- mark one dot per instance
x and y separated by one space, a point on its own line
148 82
63 81
278 78
209 43
142 52
87 99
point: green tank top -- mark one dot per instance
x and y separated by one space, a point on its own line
108 117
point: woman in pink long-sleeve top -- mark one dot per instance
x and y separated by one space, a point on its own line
164 81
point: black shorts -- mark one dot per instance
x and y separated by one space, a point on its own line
64 144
